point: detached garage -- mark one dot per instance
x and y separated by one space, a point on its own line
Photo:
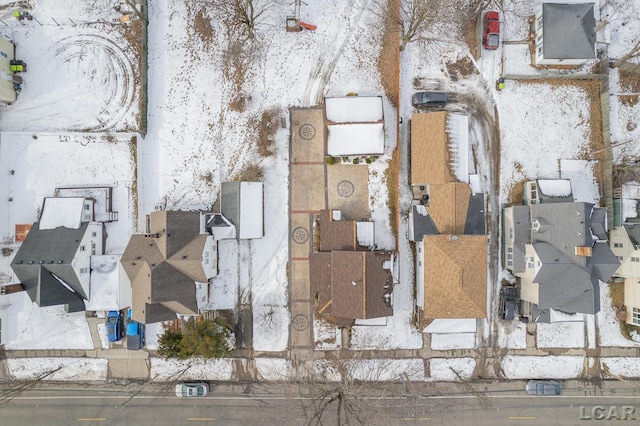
356 126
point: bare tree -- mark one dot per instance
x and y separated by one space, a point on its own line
244 17
353 391
418 20
634 52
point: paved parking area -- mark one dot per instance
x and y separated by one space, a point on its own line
348 190
315 186
307 196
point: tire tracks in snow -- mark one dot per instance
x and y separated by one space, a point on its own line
326 61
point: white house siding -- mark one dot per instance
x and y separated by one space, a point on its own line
529 290
420 274
210 257
89 245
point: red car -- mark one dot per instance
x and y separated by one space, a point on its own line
491 33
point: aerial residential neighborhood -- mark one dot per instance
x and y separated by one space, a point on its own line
351 212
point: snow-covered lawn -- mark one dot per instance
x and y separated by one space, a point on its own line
560 335
540 124
512 335
450 369
609 333
163 369
542 367
70 369
441 342
46 328
82 75
618 367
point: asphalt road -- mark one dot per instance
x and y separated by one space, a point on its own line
142 405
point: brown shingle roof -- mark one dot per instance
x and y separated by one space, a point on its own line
429 149
455 276
336 234
164 266
448 205
352 284
320 280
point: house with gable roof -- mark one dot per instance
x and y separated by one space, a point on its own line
564 33
53 263
558 251
164 265
446 223
625 243
349 281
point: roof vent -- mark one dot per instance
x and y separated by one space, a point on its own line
451 238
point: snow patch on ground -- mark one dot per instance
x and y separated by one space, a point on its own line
50 328
560 335
445 369
608 324
163 369
73 369
440 342
620 367
542 367
535 130
512 335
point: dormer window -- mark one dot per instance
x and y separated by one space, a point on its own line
535 225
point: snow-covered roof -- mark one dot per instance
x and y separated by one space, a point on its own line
555 187
61 211
456 325
106 292
631 190
458 129
365 234
355 139
354 109
251 210
628 209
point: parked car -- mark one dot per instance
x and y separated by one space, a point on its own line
543 387
429 99
191 390
114 326
135 333
508 303
491 31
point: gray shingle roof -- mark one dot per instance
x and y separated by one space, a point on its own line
522 235
567 281
45 255
569 30
422 224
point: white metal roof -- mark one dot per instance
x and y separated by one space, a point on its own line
354 109
62 211
355 139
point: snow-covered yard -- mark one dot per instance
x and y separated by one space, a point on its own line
206 119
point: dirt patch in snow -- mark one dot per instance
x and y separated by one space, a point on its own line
461 69
629 82
266 126
202 27
389 59
251 173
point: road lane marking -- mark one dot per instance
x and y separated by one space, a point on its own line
521 418
200 419
94 419
416 418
